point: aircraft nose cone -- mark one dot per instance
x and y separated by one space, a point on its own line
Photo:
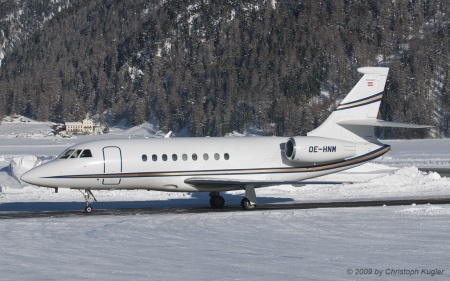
42 175
33 176
29 177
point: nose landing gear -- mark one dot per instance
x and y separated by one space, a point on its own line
89 198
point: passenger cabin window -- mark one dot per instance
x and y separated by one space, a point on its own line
184 156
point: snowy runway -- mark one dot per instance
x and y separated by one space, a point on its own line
262 245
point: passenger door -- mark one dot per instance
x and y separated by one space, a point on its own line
112 157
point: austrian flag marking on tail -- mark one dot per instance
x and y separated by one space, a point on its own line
370 83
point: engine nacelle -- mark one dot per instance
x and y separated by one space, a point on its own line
318 150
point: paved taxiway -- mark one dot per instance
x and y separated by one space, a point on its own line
263 207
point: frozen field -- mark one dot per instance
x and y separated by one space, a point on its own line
364 243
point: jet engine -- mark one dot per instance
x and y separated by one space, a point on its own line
318 149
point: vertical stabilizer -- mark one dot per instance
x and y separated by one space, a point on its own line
362 103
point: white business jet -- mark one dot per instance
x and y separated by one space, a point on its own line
345 140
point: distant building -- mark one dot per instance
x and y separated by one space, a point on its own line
74 127
88 126
85 127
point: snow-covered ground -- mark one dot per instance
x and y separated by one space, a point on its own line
399 243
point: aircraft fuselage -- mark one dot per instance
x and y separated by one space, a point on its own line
165 164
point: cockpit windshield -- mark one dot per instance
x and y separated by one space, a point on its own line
66 154
75 153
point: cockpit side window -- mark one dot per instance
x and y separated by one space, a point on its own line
86 153
76 153
66 154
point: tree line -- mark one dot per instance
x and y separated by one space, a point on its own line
219 66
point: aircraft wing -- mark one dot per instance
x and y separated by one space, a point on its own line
234 183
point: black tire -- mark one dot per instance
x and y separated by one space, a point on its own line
217 202
88 209
247 205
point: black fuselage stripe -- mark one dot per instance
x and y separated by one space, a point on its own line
230 172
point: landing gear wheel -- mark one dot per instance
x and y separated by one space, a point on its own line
247 205
89 198
217 202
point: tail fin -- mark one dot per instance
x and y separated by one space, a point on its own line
356 116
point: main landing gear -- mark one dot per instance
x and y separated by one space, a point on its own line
89 198
216 201
247 203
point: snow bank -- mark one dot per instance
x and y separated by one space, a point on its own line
370 182
21 164
407 176
407 182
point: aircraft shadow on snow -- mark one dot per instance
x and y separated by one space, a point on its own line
196 200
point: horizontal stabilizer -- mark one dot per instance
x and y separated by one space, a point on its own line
216 182
382 123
